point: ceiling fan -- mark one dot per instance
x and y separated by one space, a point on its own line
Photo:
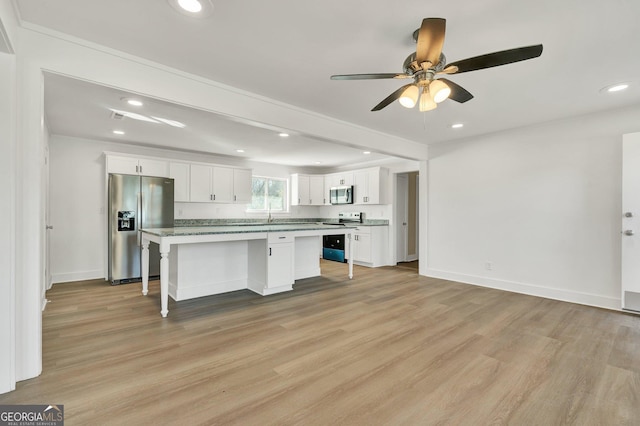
428 61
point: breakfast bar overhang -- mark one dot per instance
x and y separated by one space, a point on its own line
267 259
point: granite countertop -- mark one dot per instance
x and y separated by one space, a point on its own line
241 229
261 222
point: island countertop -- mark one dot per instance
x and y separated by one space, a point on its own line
243 229
266 262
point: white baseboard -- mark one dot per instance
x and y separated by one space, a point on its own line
77 276
530 289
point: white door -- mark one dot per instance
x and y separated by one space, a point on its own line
402 190
630 230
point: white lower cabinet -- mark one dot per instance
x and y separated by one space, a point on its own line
370 246
280 265
271 264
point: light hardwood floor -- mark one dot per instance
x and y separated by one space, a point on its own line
388 347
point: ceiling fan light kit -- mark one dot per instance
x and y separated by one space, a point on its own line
409 97
426 101
428 62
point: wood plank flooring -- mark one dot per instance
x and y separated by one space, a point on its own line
388 347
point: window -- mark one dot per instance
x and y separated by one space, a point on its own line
268 194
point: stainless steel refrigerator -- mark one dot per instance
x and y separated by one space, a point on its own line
136 202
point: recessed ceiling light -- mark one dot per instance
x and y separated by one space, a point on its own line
283 135
457 125
366 152
615 87
193 8
118 132
239 150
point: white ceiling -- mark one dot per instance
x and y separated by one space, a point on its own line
287 50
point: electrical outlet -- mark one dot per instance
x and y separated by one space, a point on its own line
488 265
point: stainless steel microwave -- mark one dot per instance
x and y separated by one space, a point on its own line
341 195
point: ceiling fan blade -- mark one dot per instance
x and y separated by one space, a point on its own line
392 97
368 76
458 93
430 40
495 59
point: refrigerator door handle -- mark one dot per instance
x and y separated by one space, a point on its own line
140 219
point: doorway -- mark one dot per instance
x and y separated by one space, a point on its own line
630 229
406 228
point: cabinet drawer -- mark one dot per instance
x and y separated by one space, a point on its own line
363 229
280 237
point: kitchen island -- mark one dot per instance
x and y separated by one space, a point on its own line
207 260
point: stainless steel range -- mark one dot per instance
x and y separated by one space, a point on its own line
333 245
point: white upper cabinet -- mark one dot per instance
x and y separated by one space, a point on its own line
340 179
200 183
300 190
317 194
180 172
307 190
370 185
242 186
220 184
137 166
193 182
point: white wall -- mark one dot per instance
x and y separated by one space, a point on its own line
7 218
78 202
541 204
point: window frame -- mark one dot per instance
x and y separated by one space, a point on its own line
265 208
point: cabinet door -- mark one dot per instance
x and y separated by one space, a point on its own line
361 187
222 185
179 172
200 183
303 191
242 185
280 265
362 248
373 187
122 165
316 190
328 183
153 167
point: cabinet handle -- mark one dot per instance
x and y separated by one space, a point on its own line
140 169
269 251
298 200
136 168
235 198
214 197
310 201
